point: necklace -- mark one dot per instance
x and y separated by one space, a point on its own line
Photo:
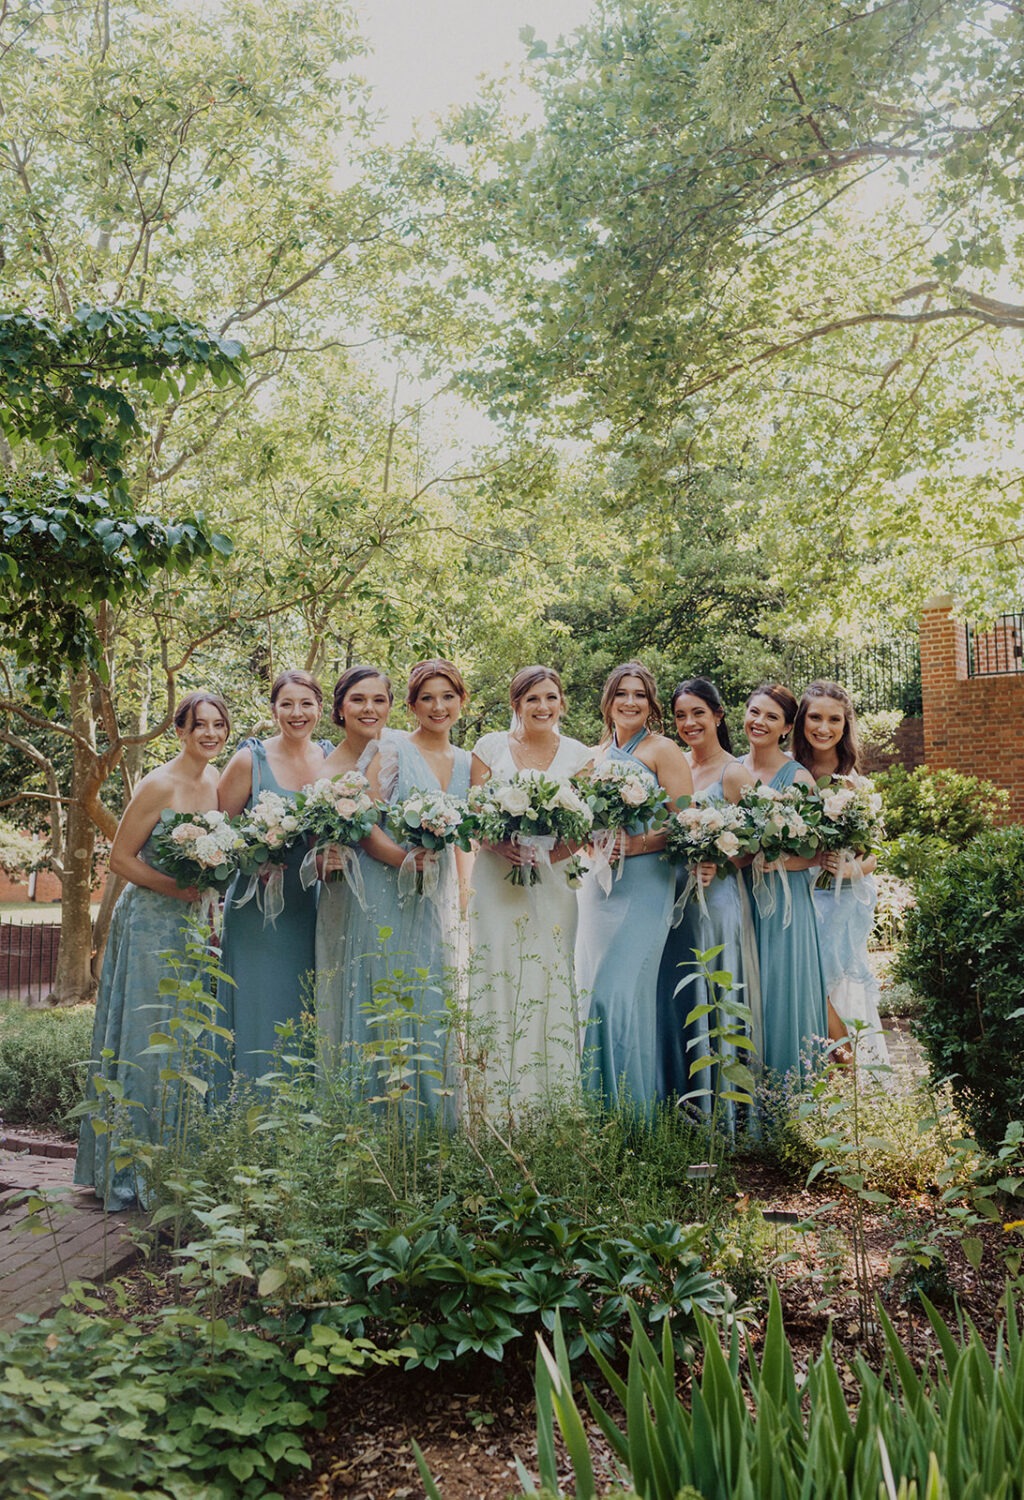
527 759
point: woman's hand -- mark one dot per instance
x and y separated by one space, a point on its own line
843 866
513 853
705 873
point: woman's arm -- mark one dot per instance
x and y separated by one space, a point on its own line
235 786
140 818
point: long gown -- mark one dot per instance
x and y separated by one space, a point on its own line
129 1008
386 1008
272 966
524 1014
619 945
844 926
793 1006
680 1044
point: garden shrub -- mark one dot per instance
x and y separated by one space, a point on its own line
42 1058
964 954
938 804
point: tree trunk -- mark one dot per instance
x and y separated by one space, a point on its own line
74 981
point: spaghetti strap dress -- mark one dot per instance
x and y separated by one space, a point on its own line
395 965
272 966
727 925
793 1007
524 1014
144 928
619 943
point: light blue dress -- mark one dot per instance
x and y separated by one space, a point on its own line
681 1044
129 1008
793 993
844 927
272 966
619 944
382 997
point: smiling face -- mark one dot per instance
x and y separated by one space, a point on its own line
696 723
437 706
296 711
366 706
764 723
541 706
630 707
824 724
207 732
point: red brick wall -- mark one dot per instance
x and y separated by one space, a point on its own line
908 749
971 724
47 887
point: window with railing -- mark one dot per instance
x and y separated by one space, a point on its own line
998 650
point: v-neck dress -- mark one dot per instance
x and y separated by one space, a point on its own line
619 943
385 1001
524 1031
272 966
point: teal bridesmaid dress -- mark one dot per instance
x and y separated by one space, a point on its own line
680 1044
272 966
386 972
619 943
793 991
129 1008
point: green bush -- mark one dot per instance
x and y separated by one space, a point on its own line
964 954
42 1057
938 804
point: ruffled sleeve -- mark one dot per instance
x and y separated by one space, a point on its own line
488 747
387 768
573 756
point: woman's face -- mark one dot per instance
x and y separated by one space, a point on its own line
696 722
824 724
207 733
764 723
296 711
366 706
630 707
541 706
438 706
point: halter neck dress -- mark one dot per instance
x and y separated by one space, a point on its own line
619 944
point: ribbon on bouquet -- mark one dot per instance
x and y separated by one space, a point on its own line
858 885
765 894
693 884
269 893
420 882
538 848
609 845
349 869
205 912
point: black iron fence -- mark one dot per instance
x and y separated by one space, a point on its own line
884 676
997 651
28 959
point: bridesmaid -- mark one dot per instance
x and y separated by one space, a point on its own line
825 742
150 919
622 934
523 938
362 701
272 966
717 776
794 1012
400 955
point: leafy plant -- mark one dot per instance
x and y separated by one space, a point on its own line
940 804
42 1063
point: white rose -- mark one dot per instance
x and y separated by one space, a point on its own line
728 843
207 850
633 792
514 800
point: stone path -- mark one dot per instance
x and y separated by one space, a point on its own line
74 1239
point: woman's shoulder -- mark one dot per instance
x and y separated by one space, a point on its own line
489 746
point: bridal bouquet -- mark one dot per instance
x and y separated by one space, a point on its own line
267 830
198 848
336 810
621 800
431 821
532 811
703 833
851 820
780 823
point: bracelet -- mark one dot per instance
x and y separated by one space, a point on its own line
643 844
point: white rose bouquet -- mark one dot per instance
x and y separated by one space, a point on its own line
779 823
268 830
851 820
200 849
337 810
535 812
431 821
621 800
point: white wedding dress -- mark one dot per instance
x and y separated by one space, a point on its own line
523 1025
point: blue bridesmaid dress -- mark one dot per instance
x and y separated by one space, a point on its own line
129 1008
793 990
680 1044
272 966
845 924
382 996
619 944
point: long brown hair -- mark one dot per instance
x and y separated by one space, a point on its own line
527 678
611 687
848 748
185 712
783 697
347 681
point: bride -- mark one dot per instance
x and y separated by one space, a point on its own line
522 993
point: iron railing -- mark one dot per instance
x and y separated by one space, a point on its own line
997 651
28 959
884 676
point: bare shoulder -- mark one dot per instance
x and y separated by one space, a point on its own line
734 778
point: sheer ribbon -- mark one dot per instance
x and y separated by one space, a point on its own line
420 882
765 894
858 885
609 845
269 893
693 885
538 848
350 869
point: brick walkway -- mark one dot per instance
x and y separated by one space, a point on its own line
78 1241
